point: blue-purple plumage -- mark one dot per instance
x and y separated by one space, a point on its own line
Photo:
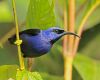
37 42
34 46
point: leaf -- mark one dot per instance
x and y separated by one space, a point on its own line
5 14
8 71
40 14
47 76
21 8
90 41
93 19
26 75
87 68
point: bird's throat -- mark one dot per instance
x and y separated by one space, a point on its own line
54 40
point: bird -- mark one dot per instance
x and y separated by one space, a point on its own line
37 42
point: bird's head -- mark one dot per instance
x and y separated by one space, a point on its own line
56 33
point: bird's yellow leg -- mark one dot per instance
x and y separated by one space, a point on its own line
30 63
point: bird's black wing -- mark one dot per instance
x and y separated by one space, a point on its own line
30 32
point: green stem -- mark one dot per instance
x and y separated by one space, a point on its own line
21 60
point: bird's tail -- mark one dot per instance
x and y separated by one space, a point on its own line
12 39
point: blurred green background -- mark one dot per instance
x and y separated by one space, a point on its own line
51 65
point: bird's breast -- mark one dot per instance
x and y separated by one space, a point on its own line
35 46
41 46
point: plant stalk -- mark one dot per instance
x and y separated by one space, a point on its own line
71 23
68 67
67 48
65 28
21 60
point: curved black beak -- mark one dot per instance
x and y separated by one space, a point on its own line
70 33
62 33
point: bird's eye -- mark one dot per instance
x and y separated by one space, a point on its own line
56 31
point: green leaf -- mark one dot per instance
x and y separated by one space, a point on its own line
82 11
21 8
8 71
90 41
26 75
5 14
87 68
41 14
93 19
47 76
